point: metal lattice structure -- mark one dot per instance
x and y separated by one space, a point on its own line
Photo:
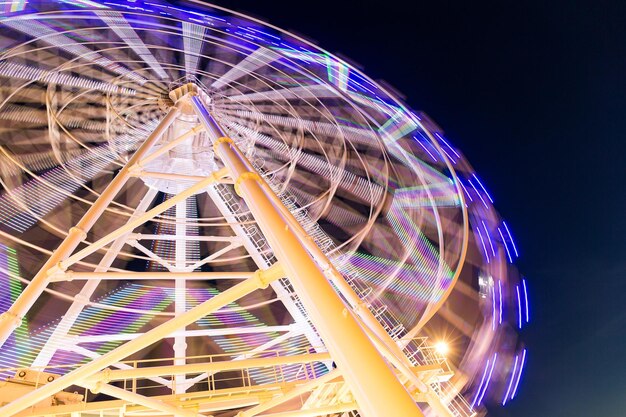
205 215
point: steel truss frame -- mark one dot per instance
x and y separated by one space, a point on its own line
371 367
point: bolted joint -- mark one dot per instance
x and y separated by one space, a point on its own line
431 396
361 307
264 277
69 275
59 268
106 375
223 139
13 319
219 174
81 299
180 345
327 269
261 281
135 169
94 388
243 177
180 94
57 274
79 231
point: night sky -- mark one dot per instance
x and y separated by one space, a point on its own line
534 94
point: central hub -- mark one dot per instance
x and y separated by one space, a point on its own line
193 156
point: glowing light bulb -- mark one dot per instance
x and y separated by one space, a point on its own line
442 348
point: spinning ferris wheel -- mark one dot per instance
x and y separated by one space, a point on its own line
202 214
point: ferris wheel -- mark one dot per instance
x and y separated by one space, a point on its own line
202 214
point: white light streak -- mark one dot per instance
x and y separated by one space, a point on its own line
193 38
45 34
119 25
25 72
252 62
508 391
519 376
508 253
493 364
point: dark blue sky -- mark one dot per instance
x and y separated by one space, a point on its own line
534 93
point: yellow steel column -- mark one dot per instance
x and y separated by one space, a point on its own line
390 348
374 385
12 318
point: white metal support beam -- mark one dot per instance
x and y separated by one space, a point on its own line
337 409
278 288
213 256
120 365
153 256
68 320
70 275
180 294
135 398
291 394
150 214
265 346
139 236
187 333
213 366
260 280
12 318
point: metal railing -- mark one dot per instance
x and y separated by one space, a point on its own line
209 381
418 351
